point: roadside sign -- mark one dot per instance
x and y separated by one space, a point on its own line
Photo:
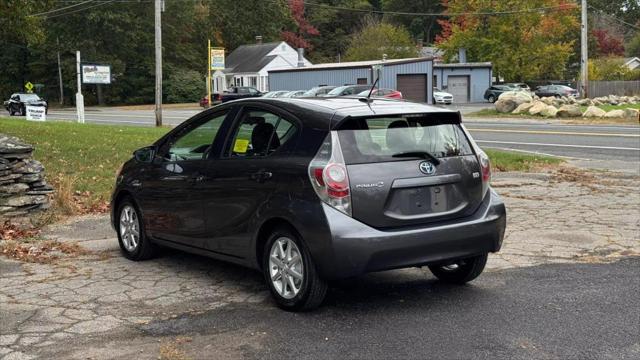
28 86
217 59
36 113
96 74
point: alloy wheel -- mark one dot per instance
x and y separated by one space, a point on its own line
129 228
286 268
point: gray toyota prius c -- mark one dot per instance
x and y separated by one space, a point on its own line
310 190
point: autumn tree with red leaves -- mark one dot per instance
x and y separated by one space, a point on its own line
298 38
607 45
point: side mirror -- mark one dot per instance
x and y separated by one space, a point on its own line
145 155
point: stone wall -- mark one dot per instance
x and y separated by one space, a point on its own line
23 190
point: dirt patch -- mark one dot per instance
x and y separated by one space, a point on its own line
41 252
173 349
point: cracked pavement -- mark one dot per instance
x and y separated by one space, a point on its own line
101 305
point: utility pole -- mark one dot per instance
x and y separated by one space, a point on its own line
79 97
584 53
158 28
60 73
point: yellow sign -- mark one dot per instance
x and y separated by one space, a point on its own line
217 59
241 146
28 86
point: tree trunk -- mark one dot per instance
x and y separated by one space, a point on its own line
99 94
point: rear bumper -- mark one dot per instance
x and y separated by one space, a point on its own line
358 248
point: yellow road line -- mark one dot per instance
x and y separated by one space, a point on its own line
542 132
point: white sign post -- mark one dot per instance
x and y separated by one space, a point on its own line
79 97
36 113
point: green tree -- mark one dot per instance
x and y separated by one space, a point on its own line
19 31
633 46
423 28
335 27
377 39
236 23
524 46
185 86
611 69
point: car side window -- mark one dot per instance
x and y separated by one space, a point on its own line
260 133
195 142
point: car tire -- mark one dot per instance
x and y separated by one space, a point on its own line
23 111
492 99
303 292
461 271
134 247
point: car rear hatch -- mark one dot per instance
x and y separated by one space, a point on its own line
409 170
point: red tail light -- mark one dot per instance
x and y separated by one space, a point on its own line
337 181
329 176
485 170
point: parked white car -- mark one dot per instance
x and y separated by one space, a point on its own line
441 97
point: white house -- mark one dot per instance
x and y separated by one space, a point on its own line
248 65
632 63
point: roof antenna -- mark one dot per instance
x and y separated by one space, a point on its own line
368 98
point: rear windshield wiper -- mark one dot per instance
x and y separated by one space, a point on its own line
419 154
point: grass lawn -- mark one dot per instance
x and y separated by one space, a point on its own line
517 161
83 158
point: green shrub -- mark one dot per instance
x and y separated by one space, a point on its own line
185 86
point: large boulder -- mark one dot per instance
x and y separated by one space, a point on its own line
548 100
632 114
523 108
537 108
549 111
585 102
505 105
594 112
566 111
519 97
617 114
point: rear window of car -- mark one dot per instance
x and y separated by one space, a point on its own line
378 139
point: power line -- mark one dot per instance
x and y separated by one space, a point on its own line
614 18
79 10
60 9
486 13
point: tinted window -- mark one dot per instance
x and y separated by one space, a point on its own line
194 142
378 139
260 133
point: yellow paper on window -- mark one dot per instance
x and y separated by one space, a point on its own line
241 146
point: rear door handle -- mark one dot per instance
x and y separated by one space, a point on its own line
261 176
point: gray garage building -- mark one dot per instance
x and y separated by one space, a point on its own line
410 76
467 82
415 78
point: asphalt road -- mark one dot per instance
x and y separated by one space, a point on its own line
606 146
587 311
